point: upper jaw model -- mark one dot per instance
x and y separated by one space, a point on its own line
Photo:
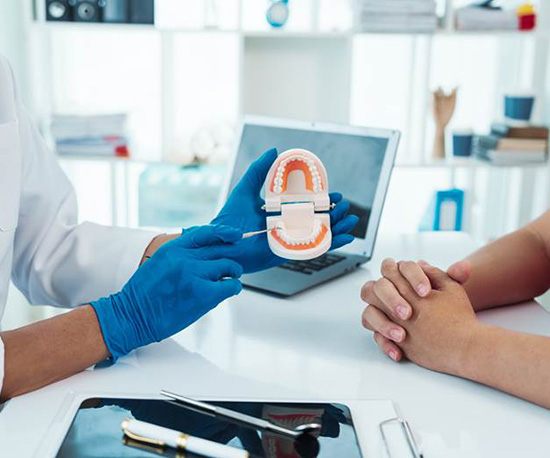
297 188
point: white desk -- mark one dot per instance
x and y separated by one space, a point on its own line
312 346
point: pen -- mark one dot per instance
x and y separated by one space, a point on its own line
164 437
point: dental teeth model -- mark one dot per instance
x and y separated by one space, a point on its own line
297 188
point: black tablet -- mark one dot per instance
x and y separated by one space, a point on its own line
96 432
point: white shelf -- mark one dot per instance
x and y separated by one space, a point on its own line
109 159
537 33
285 33
465 163
297 34
94 26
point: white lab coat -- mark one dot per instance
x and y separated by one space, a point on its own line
50 258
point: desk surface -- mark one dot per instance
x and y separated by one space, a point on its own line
312 347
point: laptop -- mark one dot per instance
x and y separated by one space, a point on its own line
359 162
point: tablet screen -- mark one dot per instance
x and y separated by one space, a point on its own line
96 431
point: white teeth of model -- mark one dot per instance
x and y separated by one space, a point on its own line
278 182
278 189
292 241
316 185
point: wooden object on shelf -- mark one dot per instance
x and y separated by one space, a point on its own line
443 109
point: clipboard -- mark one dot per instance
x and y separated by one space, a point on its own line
407 446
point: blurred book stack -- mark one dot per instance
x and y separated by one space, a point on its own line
94 135
485 16
379 16
513 145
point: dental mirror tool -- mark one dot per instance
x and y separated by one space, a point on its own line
308 429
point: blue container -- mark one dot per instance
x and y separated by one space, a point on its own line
518 107
462 143
445 211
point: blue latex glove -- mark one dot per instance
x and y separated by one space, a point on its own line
182 281
243 210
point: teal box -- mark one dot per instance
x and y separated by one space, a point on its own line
445 212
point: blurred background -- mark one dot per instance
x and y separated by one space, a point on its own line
142 99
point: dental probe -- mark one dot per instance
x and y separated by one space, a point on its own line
332 206
242 418
247 235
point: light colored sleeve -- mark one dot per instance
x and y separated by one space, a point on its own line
57 261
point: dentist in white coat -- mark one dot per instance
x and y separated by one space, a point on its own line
50 258
53 260
128 288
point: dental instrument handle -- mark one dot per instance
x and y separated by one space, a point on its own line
247 235
256 422
227 413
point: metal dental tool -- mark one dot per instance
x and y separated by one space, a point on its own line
247 235
307 429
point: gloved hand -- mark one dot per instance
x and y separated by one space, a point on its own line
243 210
182 281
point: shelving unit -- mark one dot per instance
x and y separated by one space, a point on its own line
263 79
454 163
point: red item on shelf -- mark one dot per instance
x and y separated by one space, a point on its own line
527 21
122 151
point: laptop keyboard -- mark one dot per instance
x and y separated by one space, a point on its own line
313 265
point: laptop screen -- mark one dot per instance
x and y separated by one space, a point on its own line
353 162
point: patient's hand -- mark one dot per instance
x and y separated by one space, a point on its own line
384 295
435 332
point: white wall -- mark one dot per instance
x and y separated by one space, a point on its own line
14 41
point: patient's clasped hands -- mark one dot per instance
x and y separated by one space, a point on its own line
419 312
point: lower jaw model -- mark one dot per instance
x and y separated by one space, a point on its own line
297 189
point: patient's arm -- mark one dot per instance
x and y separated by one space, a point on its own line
510 361
512 269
